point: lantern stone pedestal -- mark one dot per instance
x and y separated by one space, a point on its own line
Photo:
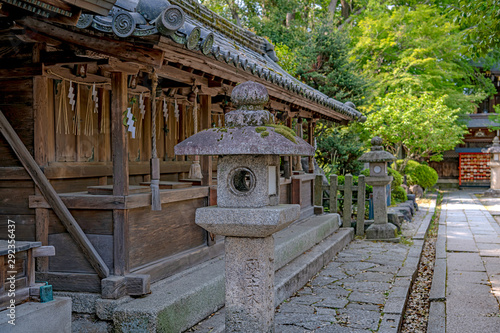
494 164
377 159
248 211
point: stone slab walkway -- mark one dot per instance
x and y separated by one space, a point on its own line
466 298
364 289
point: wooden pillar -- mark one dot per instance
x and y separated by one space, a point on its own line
289 159
42 235
119 138
205 121
182 129
311 124
44 147
296 191
119 146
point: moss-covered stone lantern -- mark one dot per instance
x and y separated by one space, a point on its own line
248 212
379 179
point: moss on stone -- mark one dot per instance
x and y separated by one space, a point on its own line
286 134
260 129
283 129
264 134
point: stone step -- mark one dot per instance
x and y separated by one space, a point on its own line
181 301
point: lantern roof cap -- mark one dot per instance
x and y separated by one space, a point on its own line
495 147
377 153
250 130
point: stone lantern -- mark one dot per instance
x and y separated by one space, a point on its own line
494 164
248 212
379 179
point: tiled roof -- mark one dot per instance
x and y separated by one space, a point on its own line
204 31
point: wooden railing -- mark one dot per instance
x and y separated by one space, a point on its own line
330 193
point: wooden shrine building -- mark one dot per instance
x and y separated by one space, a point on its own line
91 92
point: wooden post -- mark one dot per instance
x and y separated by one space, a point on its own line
182 130
42 235
318 190
296 187
119 138
360 218
206 117
120 242
347 200
119 146
333 194
310 139
52 197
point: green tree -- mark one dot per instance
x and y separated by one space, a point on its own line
338 149
325 66
421 126
417 49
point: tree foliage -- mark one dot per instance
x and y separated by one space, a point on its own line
422 126
338 149
420 50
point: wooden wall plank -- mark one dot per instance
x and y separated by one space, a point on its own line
43 122
158 234
25 226
69 257
90 283
54 200
99 222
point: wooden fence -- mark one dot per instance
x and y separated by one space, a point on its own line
332 196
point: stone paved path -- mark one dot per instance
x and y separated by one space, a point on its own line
473 264
349 294
363 289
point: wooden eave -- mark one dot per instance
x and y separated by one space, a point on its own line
159 51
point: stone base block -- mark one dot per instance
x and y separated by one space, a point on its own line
384 232
491 193
246 222
54 316
318 210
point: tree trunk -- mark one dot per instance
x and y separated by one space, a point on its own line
346 9
233 7
332 7
289 19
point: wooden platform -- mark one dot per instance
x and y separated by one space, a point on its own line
167 185
108 189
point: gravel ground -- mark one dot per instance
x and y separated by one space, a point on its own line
417 309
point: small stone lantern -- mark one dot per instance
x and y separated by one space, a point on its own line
494 164
248 212
379 179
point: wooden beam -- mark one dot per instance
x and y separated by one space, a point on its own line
205 121
20 72
234 75
52 197
119 49
64 58
119 135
